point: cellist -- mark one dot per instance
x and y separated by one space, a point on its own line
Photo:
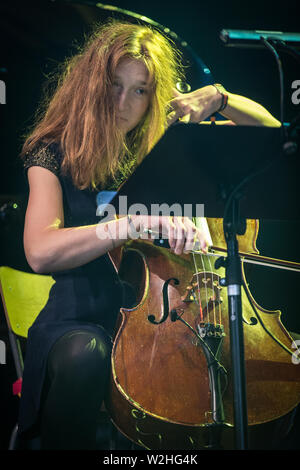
113 102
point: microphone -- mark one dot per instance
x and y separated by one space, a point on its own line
252 39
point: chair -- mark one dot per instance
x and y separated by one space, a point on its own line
23 297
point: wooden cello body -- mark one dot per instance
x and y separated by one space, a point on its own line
171 380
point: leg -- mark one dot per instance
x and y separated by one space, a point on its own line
78 374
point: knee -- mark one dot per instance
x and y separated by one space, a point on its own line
80 350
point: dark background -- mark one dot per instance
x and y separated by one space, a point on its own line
36 36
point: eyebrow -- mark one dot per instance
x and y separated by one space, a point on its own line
138 82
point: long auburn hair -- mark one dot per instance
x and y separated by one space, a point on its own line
80 114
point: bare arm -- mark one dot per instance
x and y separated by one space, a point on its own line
243 111
204 102
50 247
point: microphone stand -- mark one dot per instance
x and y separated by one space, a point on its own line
233 225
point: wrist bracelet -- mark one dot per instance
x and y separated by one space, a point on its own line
224 94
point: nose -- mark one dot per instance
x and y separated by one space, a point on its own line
122 100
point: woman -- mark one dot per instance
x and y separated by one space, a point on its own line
112 104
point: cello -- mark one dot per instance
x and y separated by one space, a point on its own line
171 377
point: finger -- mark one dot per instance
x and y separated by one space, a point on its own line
190 239
171 233
173 117
196 238
201 243
180 237
185 119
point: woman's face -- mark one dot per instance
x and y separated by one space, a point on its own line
131 92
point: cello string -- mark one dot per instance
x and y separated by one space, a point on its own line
213 291
220 312
218 291
206 279
217 286
197 271
198 287
201 222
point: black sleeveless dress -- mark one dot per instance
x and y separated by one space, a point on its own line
88 297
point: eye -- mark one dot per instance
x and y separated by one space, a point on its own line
141 91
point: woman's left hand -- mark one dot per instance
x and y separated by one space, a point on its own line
195 106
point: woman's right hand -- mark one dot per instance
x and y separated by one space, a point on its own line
182 234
